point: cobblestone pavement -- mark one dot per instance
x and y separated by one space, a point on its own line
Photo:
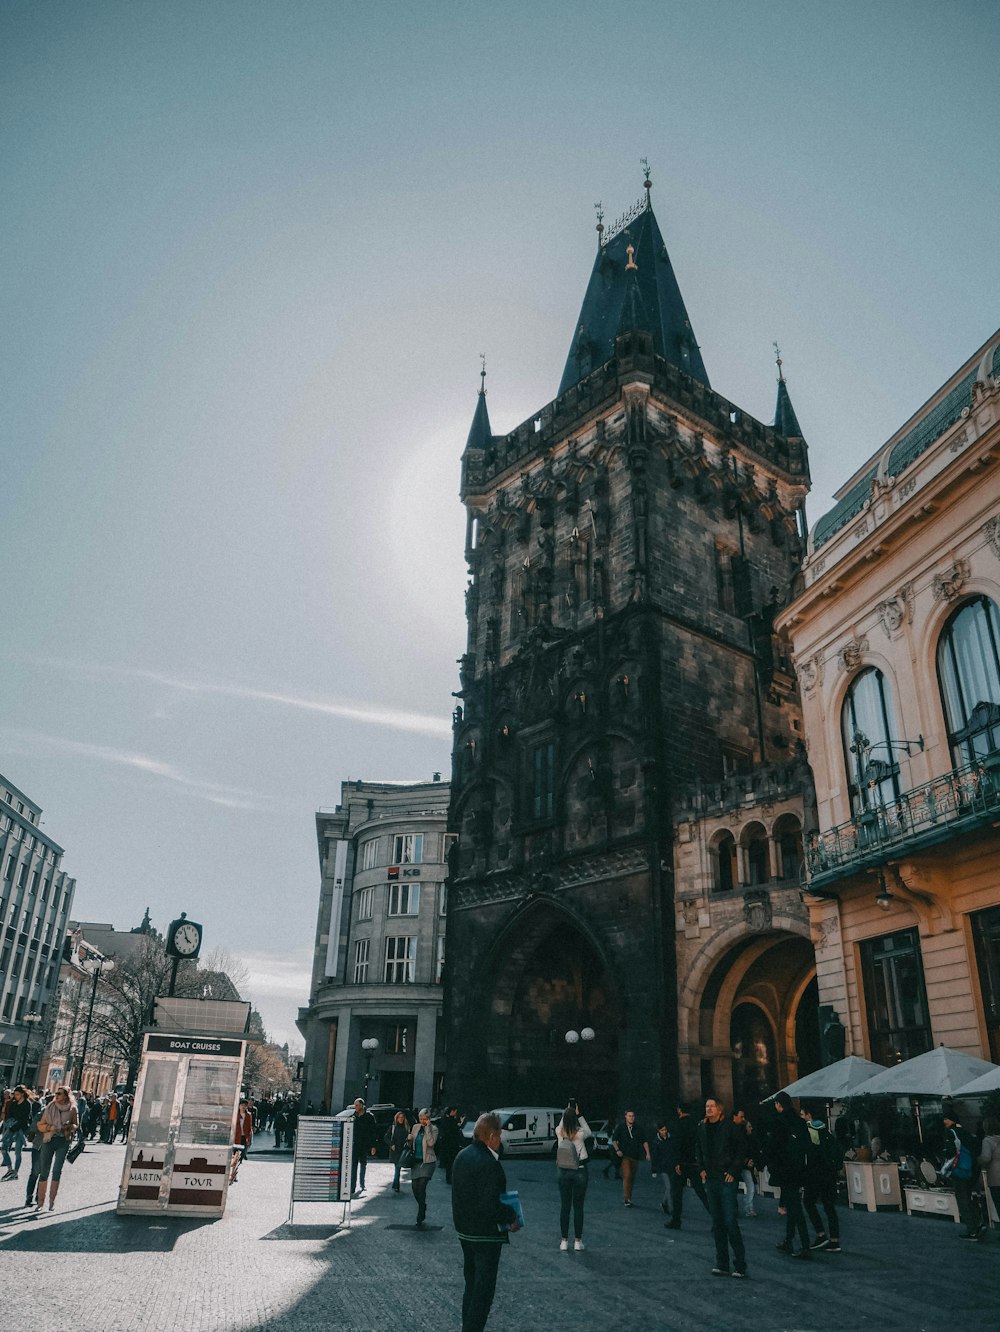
84 1267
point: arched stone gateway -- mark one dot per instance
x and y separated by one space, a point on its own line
750 1004
547 976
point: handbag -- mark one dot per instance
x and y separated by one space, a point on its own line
407 1158
76 1150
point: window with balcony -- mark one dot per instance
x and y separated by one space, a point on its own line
369 851
968 662
408 849
892 970
404 899
362 953
869 732
400 956
366 903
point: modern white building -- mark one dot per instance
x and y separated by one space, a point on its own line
372 1027
35 900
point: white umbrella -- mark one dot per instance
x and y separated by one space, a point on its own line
939 1072
980 1086
835 1081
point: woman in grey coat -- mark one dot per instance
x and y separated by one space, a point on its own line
421 1140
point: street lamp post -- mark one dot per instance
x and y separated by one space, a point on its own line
31 1021
370 1045
576 1039
96 966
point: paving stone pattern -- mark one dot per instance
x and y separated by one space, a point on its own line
82 1266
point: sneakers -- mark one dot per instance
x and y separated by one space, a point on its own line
628 1202
833 1246
820 1242
579 1246
9 1175
720 1271
740 1273
563 1246
784 1247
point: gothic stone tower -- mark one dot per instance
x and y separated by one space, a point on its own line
627 548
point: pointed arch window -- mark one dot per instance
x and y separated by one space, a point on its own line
869 731
968 661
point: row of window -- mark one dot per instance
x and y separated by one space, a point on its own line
757 867
399 962
29 814
407 849
402 899
968 668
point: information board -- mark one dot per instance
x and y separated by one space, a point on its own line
183 1124
321 1170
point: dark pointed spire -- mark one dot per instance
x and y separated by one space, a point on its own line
480 434
649 289
785 421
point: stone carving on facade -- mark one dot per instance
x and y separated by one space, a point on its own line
907 488
757 910
894 611
852 653
811 672
991 531
948 586
861 529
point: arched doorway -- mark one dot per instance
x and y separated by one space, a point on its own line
757 1029
551 980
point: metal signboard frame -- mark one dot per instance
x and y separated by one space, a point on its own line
180 1141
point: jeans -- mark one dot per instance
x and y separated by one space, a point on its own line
13 1140
480 1264
572 1191
823 1190
396 1167
795 1218
359 1164
750 1184
677 1183
52 1156
722 1207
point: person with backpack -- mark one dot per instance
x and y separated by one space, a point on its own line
787 1162
960 1149
572 1133
823 1163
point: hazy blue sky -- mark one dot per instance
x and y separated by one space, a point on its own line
249 256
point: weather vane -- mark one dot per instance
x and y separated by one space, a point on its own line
647 183
599 210
482 373
777 358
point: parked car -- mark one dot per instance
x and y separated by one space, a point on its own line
529 1130
602 1137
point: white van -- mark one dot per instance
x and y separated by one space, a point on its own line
529 1130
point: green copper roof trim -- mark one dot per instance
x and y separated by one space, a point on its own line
932 426
849 507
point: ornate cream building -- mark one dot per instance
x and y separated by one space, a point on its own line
896 637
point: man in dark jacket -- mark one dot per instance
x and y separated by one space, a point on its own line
788 1155
956 1137
365 1144
682 1133
629 1144
450 1141
478 1181
719 1155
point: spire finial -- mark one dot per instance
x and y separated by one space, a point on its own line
777 361
599 210
647 184
630 251
482 375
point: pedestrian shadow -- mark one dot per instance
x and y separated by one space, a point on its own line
103 1232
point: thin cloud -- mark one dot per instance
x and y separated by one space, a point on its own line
370 714
232 797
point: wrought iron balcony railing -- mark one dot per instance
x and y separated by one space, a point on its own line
939 810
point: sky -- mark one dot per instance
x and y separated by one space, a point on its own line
250 254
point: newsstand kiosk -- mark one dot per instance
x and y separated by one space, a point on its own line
183 1124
